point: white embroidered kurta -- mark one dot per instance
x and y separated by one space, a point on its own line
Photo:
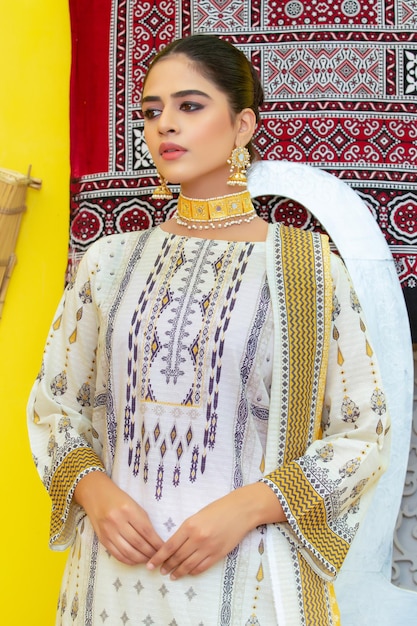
159 369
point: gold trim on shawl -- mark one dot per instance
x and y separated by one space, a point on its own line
302 294
306 273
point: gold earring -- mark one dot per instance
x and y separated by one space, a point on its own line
239 161
162 192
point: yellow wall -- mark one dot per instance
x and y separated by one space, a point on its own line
34 83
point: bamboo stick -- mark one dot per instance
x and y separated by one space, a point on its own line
13 189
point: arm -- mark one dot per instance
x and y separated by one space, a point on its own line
66 445
338 472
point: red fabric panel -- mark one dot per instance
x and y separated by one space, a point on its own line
341 94
89 106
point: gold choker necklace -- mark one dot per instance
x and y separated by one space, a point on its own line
215 212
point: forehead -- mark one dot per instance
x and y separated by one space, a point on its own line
177 73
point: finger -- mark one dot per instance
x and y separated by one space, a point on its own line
186 558
142 543
145 534
118 554
126 547
167 551
182 558
202 566
193 565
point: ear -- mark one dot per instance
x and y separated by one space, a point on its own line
246 125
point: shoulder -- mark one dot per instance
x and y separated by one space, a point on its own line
107 258
107 262
118 244
298 240
114 250
279 229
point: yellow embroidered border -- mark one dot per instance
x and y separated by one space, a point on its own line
320 606
305 296
76 462
307 507
306 276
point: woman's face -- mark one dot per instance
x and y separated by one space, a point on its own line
189 127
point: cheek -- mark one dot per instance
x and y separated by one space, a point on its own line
149 137
146 134
218 133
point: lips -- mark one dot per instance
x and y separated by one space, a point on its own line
170 151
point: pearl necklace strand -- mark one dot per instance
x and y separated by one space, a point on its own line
220 212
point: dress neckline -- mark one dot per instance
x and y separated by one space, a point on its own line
195 237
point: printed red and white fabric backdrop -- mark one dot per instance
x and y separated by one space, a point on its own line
340 81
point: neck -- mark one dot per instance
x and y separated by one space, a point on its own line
218 212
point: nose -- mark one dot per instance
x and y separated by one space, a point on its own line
167 123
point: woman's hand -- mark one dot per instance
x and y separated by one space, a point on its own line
207 536
121 525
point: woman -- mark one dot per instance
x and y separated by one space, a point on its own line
208 420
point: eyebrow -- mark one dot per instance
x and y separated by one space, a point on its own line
178 94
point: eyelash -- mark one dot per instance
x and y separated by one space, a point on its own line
187 107
149 114
192 106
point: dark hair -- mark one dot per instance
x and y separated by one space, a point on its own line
225 66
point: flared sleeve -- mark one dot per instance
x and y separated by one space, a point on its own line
326 490
64 443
